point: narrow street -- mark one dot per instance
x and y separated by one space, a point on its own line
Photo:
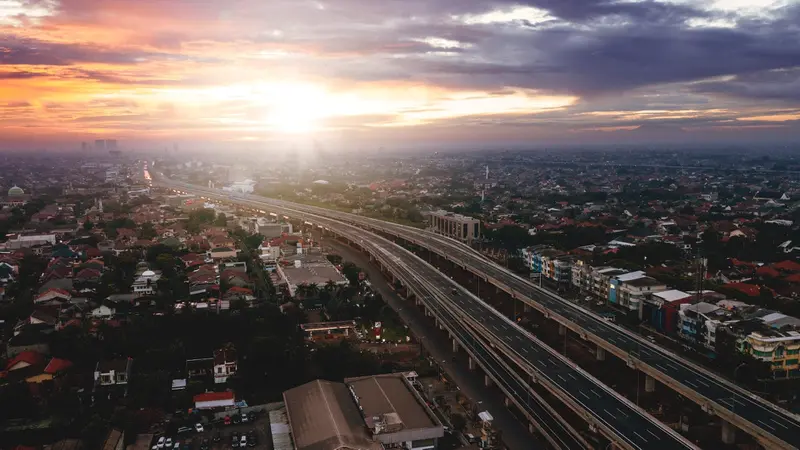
515 434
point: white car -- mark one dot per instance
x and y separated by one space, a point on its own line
198 427
160 443
243 441
168 444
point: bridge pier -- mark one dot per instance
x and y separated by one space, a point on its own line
728 433
562 330
601 354
531 428
471 363
455 346
487 381
649 383
526 307
507 402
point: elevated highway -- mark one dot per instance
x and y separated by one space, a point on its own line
774 427
493 341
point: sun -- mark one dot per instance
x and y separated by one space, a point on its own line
296 108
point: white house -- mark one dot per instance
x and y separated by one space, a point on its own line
113 373
145 283
224 364
102 312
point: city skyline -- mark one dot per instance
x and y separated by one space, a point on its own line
399 74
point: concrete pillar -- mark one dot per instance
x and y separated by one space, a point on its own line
728 433
487 381
601 354
649 383
507 402
562 330
526 307
531 428
471 363
455 346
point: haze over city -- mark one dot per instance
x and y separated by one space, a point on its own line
397 74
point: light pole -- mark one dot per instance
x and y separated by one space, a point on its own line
735 372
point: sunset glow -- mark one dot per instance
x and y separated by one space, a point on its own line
181 70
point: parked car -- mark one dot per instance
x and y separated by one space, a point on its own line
237 419
245 418
227 420
217 436
160 443
243 441
204 445
253 416
235 439
199 427
168 443
177 445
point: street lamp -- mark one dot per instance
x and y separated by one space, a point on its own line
735 372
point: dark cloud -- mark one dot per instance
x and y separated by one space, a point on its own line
18 105
26 51
782 85
20 75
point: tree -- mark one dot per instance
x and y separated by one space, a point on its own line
88 225
458 421
147 231
221 220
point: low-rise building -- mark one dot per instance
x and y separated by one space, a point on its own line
113 372
214 400
463 228
779 348
365 413
145 284
661 309
225 364
698 323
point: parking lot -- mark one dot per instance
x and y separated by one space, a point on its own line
193 440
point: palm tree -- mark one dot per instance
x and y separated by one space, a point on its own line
301 290
330 285
313 290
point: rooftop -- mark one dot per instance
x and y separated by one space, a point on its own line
323 416
390 398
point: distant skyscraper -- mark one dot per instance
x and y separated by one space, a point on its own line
111 144
100 144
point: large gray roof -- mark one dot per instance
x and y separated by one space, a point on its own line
324 416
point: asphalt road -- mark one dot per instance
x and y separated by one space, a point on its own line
515 434
762 414
626 421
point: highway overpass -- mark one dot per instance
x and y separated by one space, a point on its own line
486 334
774 427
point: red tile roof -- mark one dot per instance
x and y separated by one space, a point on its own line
213 396
57 365
766 271
31 357
748 289
787 266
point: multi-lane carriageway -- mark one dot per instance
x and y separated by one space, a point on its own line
483 332
772 425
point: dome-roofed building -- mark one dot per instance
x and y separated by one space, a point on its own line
16 197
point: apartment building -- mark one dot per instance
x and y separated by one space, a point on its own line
463 228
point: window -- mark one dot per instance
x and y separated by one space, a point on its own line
105 378
791 362
219 369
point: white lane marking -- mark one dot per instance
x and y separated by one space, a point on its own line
672 366
622 412
690 384
571 375
562 378
552 362
524 350
778 423
703 382
766 425
736 400
541 363
595 393
611 340
726 402
609 413
662 367
583 394
640 436
654 435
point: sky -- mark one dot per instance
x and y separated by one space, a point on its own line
397 73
